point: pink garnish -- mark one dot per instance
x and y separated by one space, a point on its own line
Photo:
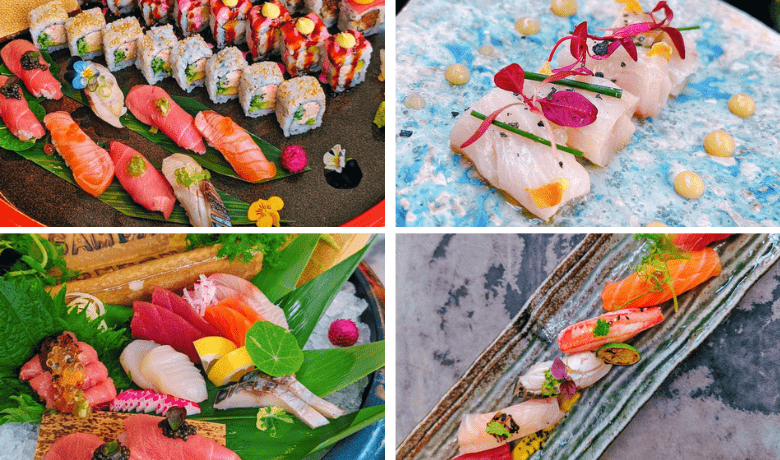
294 158
485 125
510 78
204 294
568 108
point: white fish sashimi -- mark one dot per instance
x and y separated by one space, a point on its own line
200 199
584 369
173 373
529 416
131 359
325 408
611 130
513 163
231 286
107 99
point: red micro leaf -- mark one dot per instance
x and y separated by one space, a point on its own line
485 125
568 108
630 47
510 78
579 44
667 12
502 452
677 40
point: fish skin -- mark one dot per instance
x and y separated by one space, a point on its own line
237 146
75 446
201 200
686 275
177 124
146 441
18 117
38 81
150 189
152 322
624 324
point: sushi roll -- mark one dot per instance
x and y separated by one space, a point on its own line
192 16
367 17
328 10
47 26
188 62
155 52
223 74
122 6
228 21
304 42
156 11
120 42
294 6
264 33
85 33
300 104
347 57
257 89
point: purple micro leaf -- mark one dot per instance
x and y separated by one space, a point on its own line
568 108
485 125
677 40
579 44
558 369
510 78
568 388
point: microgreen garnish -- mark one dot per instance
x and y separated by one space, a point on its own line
497 429
528 135
557 381
602 328
606 90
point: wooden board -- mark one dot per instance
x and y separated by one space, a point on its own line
107 425
15 14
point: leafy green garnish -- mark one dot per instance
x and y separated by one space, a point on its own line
44 41
497 429
244 247
550 384
186 179
81 46
163 105
274 421
119 56
601 329
28 410
136 166
273 349
40 259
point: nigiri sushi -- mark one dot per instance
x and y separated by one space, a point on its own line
194 191
153 106
145 184
236 145
584 369
528 171
16 113
145 439
26 62
103 93
173 373
92 167
623 324
74 446
637 291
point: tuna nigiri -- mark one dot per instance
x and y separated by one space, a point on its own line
195 192
145 440
236 145
153 106
75 446
91 165
623 324
26 62
16 113
636 291
145 184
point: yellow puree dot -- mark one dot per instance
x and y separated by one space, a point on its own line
346 40
742 105
689 185
457 74
564 8
719 144
655 223
270 11
230 3
527 26
305 26
414 101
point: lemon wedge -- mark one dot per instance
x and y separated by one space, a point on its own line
231 367
210 349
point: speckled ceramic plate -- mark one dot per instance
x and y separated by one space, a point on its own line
570 294
737 54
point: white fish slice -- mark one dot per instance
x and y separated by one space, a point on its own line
131 358
584 368
174 374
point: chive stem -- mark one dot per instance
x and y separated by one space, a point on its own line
527 135
606 90
688 28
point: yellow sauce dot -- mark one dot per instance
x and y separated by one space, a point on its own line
564 8
270 11
487 50
346 40
230 3
742 105
655 223
305 26
661 49
719 144
457 74
689 185
528 26
414 101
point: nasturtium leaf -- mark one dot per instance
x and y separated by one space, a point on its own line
273 349
274 421
568 108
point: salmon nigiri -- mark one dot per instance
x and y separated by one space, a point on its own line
686 274
91 165
236 145
153 106
146 185
623 325
232 318
26 62
16 113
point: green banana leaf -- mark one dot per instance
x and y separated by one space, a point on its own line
283 277
326 371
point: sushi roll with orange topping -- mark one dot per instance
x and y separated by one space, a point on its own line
192 16
347 57
304 43
328 10
156 11
228 21
264 35
365 16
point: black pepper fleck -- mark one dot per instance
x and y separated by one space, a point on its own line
540 124
405 133
599 74
560 163
455 114
502 134
622 64
598 96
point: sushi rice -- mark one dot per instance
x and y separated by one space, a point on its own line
223 74
257 89
300 104
192 16
346 67
328 10
120 42
47 26
188 62
121 6
154 54
155 11
85 33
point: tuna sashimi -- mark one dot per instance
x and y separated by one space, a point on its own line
153 106
145 440
236 145
94 374
145 184
170 301
686 274
165 327
697 241
16 113
92 167
528 417
235 287
101 393
623 324
31 68
75 446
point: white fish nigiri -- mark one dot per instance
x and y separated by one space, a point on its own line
528 417
584 368
515 164
194 191
173 373
106 97
131 359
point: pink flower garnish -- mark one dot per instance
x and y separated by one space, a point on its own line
294 158
567 386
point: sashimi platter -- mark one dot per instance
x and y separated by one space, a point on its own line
586 113
591 346
188 346
194 112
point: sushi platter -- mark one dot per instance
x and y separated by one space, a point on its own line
337 117
573 293
450 174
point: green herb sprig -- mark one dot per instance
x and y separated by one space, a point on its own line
606 90
242 247
601 329
39 259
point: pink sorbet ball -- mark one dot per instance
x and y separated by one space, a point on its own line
343 333
294 158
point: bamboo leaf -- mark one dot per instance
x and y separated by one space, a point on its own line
326 371
277 281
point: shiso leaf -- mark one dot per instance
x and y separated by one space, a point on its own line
273 349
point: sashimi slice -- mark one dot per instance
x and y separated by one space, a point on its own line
173 373
101 393
145 184
16 114
686 274
230 323
623 324
170 301
697 241
240 307
165 327
153 106
131 359
231 286
145 440
75 446
39 81
94 374
502 452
